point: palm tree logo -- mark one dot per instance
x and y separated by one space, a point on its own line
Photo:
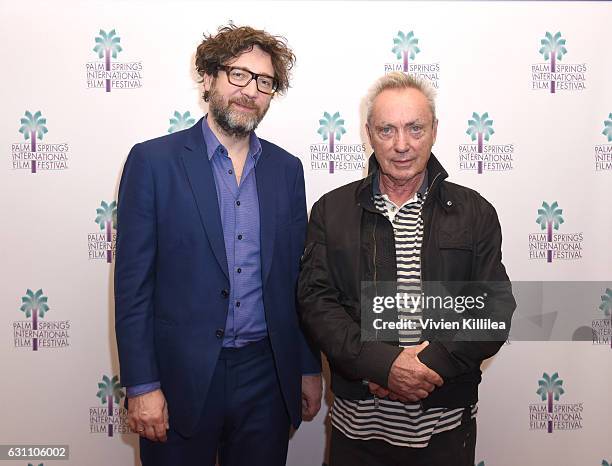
180 121
605 463
482 463
332 128
34 305
32 127
553 48
549 388
606 303
608 128
107 219
110 390
404 47
479 127
549 217
107 45
606 306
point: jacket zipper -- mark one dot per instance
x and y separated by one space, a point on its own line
422 263
424 238
374 264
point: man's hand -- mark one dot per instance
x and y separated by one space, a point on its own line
312 391
377 390
409 378
148 415
382 392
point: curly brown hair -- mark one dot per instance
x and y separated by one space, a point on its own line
231 41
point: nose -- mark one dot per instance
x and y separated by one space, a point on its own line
401 142
250 90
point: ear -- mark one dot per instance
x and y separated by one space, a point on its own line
207 80
434 131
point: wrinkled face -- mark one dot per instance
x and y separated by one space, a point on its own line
402 132
238 110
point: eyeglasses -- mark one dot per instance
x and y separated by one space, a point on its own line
241 78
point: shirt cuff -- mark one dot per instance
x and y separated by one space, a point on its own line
142 389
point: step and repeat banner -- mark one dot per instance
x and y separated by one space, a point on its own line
525 110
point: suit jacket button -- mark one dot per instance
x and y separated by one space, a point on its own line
219 333
224 293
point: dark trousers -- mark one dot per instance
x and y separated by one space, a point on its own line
455 447
244 420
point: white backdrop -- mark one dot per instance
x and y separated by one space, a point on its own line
483 57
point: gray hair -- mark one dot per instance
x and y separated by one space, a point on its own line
399 80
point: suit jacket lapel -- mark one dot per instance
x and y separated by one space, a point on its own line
267 194
202 182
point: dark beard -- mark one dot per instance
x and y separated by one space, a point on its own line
228 127
223 118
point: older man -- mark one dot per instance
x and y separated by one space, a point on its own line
411 402
212 225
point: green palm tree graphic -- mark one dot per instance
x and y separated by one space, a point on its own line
549 388
608 128
33 126
110 390
549 216
34 305
405 46
107 219
331 128
605 463
107 45
606 306
482 463
553 48
479 127
180 121
606 303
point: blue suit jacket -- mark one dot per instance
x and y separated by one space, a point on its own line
171 278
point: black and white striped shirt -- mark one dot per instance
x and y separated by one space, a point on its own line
402 424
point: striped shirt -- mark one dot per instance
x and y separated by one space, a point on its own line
401 424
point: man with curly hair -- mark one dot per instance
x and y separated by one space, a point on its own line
212 223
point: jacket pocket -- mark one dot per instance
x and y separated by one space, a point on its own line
460 239
456 254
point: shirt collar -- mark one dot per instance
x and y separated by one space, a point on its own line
213 145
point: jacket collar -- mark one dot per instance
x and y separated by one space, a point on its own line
200 175
201 180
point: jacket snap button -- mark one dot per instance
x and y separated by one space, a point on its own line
449 203
219 333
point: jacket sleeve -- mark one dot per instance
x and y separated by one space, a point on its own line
467 351
310 357
326 321
135 271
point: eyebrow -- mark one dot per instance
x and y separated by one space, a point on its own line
418 121
244 68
